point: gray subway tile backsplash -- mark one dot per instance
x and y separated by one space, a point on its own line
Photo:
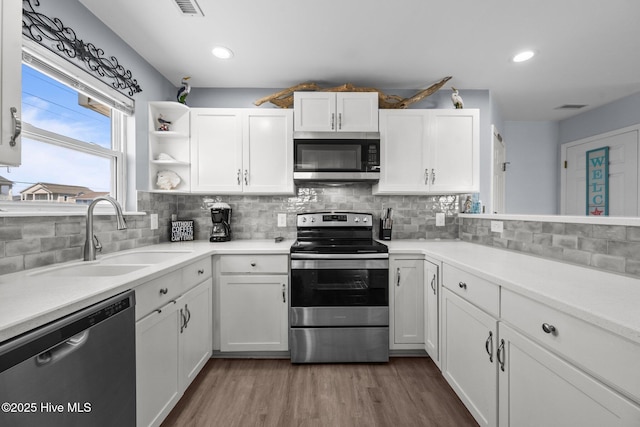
612 248
30 242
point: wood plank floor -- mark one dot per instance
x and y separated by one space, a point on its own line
250 392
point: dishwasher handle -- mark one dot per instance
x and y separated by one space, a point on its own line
63 349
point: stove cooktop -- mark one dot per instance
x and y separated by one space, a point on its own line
339 247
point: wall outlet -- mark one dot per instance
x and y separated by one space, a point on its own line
282 220
440 219
496 226
154 221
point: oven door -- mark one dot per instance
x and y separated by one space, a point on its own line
339 281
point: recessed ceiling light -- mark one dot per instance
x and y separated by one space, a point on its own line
222 52
523 56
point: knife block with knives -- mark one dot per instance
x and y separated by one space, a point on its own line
386 224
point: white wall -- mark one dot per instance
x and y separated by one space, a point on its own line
615 115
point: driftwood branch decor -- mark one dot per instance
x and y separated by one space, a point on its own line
284 98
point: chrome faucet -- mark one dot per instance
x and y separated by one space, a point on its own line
89 246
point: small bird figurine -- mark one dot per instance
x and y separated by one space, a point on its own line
456 99
164 124
183 92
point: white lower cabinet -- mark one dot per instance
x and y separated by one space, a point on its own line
254 303
406 278
537 388
173 341
195 332
468 356
431 323
157 365
517 362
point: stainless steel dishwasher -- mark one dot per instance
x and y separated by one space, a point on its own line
75 371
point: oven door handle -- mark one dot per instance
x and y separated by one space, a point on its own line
368 255
339 264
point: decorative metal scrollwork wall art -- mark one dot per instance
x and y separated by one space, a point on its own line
52 34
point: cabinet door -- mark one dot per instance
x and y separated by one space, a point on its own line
195 331
216 150
403 138
314 111
253 313
431 291
538 388
408 301
157 354
268 152
468 357
357 111
454 157
10 81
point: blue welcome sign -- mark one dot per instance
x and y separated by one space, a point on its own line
598 181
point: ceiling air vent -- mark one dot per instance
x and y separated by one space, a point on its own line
189 7
571 107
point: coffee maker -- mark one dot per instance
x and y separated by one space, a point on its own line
221 218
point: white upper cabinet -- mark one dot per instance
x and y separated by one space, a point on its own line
429 152
454 151
403 152
216 150
10 82
267 152
335 111
246 151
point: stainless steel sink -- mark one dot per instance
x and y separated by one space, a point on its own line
141 257
89 270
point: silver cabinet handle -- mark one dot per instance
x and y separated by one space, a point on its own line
398 274
333 121
433 176
488 342
284 293
462 285
433 284
549 329
164 291
339 120
201 271
501 355
183 321
17 126
188 314
253 264
246 177
238 177
426 176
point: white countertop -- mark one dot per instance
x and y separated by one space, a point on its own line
608 300
29 300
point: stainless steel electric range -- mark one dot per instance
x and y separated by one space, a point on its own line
339 290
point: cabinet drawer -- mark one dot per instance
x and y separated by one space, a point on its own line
254 264
604 354
196 272
157 292
480 292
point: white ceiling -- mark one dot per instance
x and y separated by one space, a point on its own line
588 50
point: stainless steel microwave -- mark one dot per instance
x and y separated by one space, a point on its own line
336 157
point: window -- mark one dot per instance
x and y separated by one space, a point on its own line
68 149
73 138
